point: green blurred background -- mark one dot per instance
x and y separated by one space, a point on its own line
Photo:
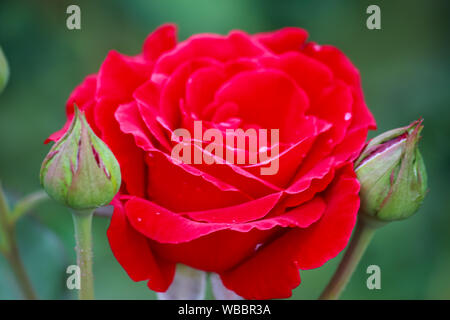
405 72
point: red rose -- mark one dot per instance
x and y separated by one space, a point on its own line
256 231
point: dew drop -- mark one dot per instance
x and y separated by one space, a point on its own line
347 116
316 47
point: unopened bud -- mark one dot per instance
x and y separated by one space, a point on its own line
80 171
392 174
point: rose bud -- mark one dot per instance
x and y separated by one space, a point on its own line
4 71
80 171
392 174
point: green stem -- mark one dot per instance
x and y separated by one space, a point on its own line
4 222
364 231
11 250
83 237
18 267
25 205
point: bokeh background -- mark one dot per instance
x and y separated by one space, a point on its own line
405 73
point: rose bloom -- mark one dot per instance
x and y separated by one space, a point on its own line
256 231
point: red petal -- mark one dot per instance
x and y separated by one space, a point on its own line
317 184
290 159
273 271
286 39
362 117
175 88
268 98
175 185
147 97
82 94
161 40
345 70
166 177
120 75
164 226
221 48
329 236
129 156
303 179
352 145
335 106
182 188
130 122
240 178
331 56
310 74
212 252
245 212
133 252
55 136
201 87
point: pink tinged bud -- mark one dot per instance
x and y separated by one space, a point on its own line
80 171
392 174
4 71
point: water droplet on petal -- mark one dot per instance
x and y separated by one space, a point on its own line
347 116
316 47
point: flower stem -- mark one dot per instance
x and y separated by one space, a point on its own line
18 268
364 231
83 236
11 250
